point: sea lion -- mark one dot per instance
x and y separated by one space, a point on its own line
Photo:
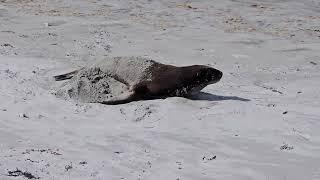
124 79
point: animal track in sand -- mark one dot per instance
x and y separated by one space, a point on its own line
267 87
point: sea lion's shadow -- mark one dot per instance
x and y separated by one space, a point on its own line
211 97
202 96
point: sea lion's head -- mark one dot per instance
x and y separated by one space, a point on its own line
205 74
199 76
208 75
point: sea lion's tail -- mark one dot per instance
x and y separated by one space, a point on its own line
62 77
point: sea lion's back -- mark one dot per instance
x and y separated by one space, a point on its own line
131 69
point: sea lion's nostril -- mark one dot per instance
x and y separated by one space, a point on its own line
220 74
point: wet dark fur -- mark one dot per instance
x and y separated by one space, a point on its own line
176 81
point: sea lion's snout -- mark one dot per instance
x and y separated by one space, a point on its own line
211 75
218 74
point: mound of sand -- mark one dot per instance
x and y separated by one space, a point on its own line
107 81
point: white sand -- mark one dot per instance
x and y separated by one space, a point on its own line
261 121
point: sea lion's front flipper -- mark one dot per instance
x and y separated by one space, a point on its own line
121 99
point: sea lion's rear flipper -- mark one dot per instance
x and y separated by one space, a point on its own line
62 77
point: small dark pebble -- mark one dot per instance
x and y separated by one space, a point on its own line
286 147
299 92
271 105
285 112
52 34
22 115
32 160
212 158
273 90
190 7
209 159
56 153
7 45
68 167
313 63
83 162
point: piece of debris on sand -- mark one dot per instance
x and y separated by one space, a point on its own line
286 147
25 174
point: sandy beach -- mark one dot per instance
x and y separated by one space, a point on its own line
260 122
